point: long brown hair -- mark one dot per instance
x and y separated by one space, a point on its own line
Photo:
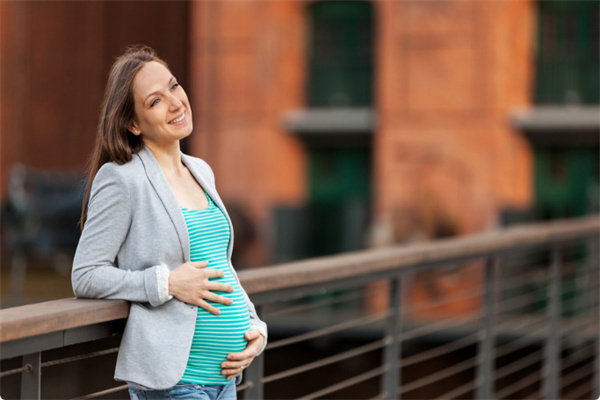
114 142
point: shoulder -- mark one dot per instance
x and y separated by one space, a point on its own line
120 175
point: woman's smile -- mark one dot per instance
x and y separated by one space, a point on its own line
178 120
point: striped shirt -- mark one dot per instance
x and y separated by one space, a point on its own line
216 335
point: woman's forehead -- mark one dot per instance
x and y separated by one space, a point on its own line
151 77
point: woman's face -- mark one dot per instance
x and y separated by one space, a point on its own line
162 109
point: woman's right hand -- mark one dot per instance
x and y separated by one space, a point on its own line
189 283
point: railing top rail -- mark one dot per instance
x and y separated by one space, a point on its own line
354 264
57 315
37 319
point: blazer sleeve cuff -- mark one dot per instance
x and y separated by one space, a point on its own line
151 285
162 281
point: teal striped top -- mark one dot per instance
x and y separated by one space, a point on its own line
216 335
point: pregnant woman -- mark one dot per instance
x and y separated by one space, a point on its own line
156 233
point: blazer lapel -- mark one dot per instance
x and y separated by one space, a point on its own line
163 189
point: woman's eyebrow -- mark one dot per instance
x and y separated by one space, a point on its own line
156 91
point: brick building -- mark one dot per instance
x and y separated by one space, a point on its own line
330 125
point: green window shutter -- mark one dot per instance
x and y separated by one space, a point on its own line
568 58
340 54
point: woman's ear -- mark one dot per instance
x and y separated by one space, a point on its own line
133 129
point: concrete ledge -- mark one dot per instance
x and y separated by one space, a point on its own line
557 118
330 120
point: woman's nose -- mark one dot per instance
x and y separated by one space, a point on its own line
175 102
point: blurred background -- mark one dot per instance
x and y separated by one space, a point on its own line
331 126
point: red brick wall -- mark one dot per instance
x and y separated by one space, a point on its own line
55 61
247 67
449 74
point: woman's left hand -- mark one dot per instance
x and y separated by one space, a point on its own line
237 362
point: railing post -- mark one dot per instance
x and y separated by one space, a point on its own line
487 339
31 377
254 373
551 371
391 379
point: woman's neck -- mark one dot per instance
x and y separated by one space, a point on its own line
168 157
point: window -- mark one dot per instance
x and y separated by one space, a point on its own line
340 54
567 62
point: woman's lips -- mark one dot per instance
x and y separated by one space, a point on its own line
178 119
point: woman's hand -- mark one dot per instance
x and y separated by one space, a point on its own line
237 362
189 283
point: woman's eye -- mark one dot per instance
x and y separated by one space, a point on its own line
155 102
175 86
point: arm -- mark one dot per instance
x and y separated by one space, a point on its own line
95 272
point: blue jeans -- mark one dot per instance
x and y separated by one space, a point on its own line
187 391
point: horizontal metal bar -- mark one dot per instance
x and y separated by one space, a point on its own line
572 359
317 304
439 375
520 323
326 361
575 375
581 392
326 331
584 310
516 303
516 344
103 392
13 371
459 390
519 364
435 327
347 383
578 329
579 291
440 350
446 300
80 357
243 386
523 383
523 279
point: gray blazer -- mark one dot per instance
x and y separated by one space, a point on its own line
134 224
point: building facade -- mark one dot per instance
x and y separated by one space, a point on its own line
331 126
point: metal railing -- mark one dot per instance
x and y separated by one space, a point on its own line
512 313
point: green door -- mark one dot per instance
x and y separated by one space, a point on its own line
566 182
339 205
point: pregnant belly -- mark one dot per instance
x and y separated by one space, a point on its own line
215 337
